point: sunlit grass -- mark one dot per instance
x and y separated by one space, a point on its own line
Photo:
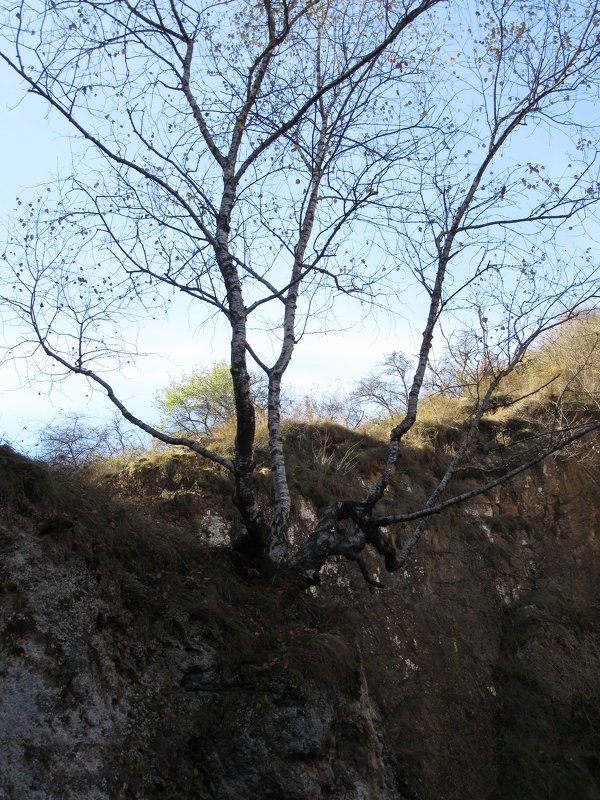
557 380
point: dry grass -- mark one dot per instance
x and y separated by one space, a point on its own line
565 367
558 384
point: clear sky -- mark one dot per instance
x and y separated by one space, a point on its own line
35 148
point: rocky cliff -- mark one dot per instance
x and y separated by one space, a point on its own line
140 660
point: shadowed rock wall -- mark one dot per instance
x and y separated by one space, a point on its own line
137 661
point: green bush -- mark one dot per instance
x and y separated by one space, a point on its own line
203 401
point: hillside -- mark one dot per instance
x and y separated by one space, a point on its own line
140 659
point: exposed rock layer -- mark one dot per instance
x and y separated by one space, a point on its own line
138 662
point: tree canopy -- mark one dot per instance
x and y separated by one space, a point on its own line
270 160
202 401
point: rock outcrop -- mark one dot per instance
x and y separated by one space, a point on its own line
140 666
139 660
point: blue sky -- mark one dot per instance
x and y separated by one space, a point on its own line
35 148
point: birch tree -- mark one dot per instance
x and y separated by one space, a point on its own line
270 159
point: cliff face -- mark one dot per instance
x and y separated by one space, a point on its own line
497 686
139 661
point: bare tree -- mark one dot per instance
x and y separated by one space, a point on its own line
333 404
387 388
264 159
78 441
